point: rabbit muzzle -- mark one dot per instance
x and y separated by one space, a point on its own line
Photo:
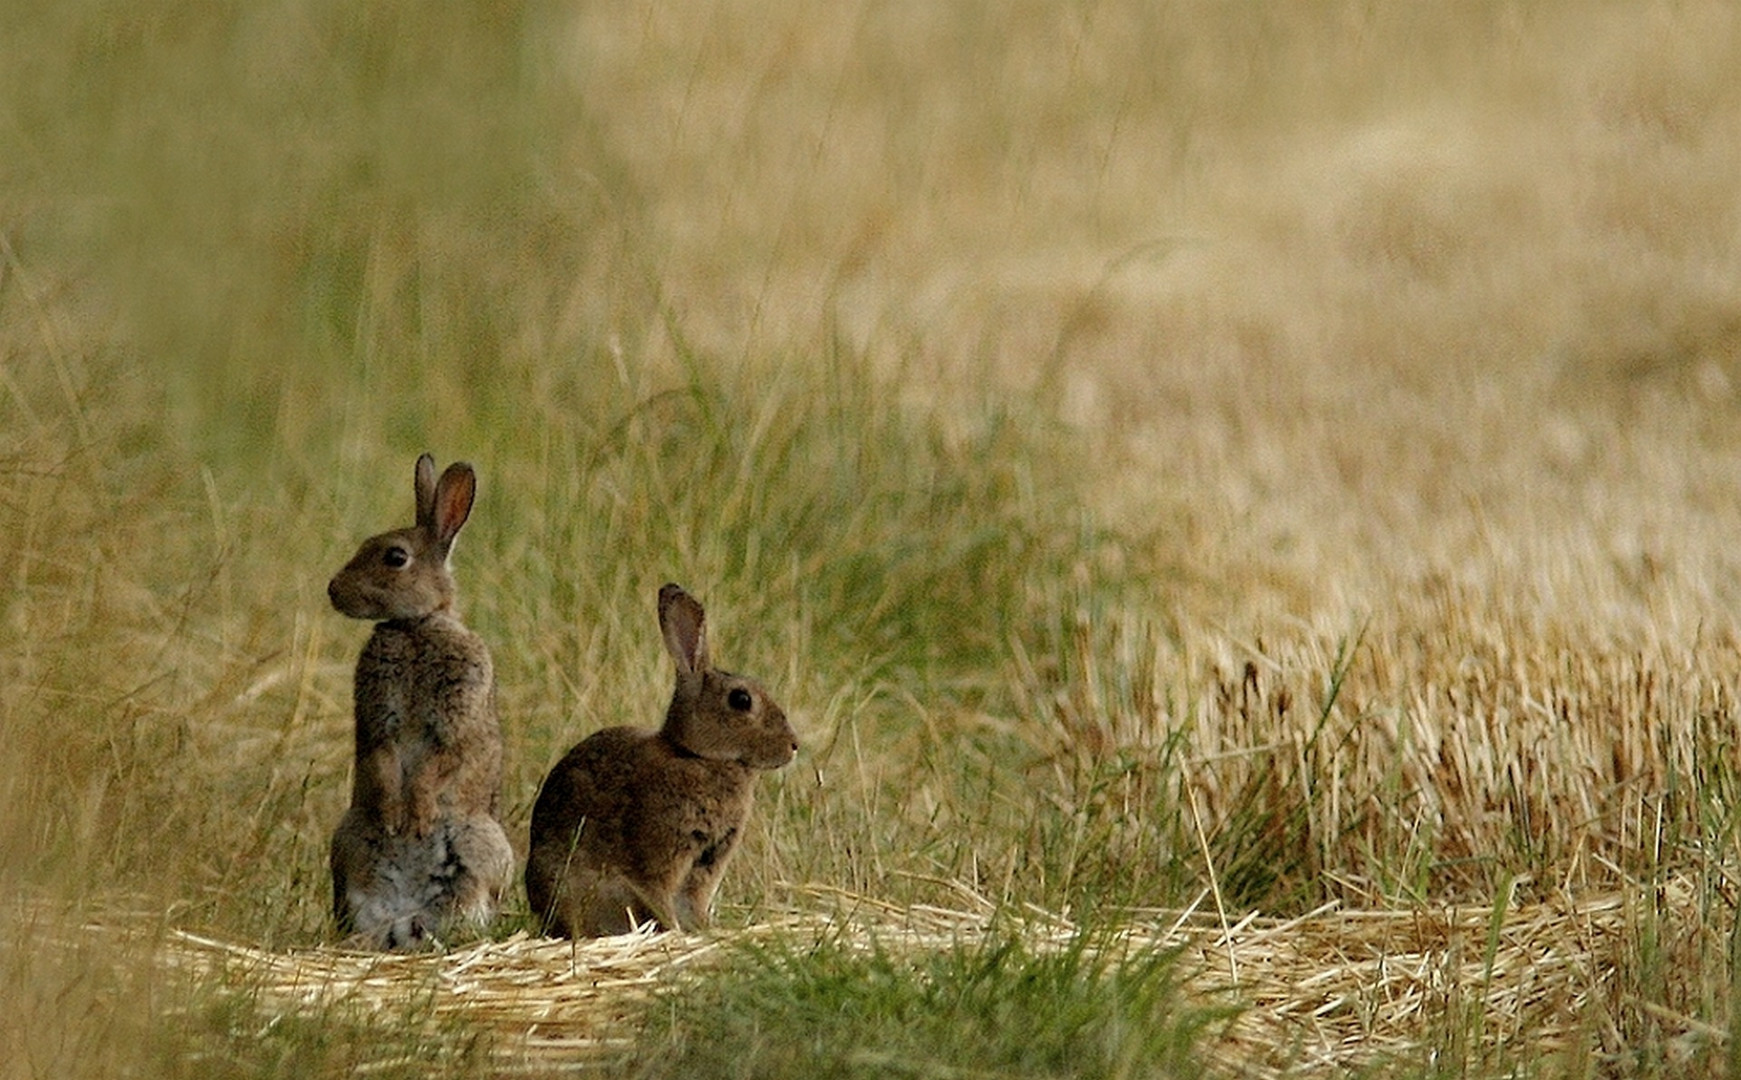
356 600
777 749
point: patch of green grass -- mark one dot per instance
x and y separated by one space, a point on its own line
995 1007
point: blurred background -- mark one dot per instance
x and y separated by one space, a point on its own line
1063 406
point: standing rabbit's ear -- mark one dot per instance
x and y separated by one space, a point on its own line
685 626
423 484
451 503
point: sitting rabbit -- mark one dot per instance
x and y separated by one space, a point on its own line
635 825
420 848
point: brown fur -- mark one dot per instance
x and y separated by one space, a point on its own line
420 847
634 825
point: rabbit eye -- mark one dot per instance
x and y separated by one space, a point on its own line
739 699
396 557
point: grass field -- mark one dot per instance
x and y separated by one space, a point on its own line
1238 501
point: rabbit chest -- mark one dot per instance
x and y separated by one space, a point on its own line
423 688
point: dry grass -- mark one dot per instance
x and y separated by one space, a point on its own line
1574 764
1333 989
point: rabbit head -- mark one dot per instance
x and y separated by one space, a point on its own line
715 714
403 574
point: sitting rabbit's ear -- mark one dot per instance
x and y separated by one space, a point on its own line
684 624
452 502
423 486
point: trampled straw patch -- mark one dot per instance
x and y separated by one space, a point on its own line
1332 989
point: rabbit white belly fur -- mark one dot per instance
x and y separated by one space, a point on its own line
400 891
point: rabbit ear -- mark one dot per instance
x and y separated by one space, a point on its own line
451 502
685 626
423 484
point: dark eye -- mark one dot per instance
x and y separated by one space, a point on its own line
739 699
396 557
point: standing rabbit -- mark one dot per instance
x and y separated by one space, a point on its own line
420 847
636 825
